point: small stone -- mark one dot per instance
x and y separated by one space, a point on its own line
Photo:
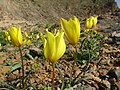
117 35
109 41
105 61
114 33
118 42
86 88
117 38
103 72
58 88
118 85
106 84
97 79
78 71
35 51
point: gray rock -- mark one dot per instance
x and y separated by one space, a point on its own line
86 88
117 35
90 88
114 73
35 51
109 41
103 72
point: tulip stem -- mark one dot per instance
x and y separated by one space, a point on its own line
71 76
53 75
74 62
75 54
22 67
62 77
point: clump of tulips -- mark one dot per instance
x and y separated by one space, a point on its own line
90 45
54 43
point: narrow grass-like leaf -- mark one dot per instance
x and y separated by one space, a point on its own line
14 68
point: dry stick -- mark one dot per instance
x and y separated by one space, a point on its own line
53 75
22 67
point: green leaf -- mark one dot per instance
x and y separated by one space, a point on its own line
47 88
7 63
28 55
33 88
14 68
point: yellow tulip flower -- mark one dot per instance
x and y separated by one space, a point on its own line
43 39
7 36
95 21
26 34
71 29
54 46
87 30
94 31
37 36
27 41
16 36
89 22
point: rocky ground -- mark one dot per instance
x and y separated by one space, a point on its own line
101 74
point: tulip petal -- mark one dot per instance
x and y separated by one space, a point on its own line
26 34
13 35
89 23
95 21
77 24
60 46
43 39
19 36
50 46
67 28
